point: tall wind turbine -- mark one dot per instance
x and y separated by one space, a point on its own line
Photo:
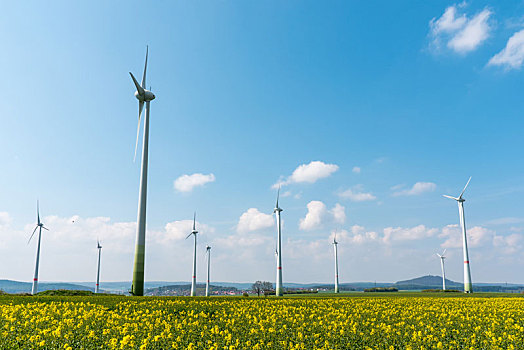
467 274
335 244
99 247
39 226
442 257
208 251
193 280
277 211
143 96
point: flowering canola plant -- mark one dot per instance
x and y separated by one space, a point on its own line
262 323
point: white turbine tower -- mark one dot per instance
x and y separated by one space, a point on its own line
99 247
442 257
467 274
143 96
193 279
277 211
39 226
208 251
335 244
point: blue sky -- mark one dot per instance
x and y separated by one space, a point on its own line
367 111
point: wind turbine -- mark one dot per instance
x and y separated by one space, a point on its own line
277 211
143 96
442 257
99 247
39 226
335 244
208 251
193 280
467 273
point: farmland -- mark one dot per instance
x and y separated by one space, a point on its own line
404 321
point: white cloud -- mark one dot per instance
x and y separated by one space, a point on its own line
473 34
308 173
356 170
462 34
357 195
510 244
178 230
318 214
418 188
254 220
5 219
359 235
286 194
512 55
477 236
186 183
449 22
406 234
316 210
339 213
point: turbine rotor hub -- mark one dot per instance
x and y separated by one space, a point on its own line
146 97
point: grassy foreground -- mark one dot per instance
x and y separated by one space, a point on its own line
347 321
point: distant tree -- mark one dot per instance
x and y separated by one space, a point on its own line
261 286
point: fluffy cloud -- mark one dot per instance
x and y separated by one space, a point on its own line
186 183
407 234
356 194
308 173
317 215
356 170
462 34
179 230
512 55
254 220
510 244
339 213
316 211
418 188
357 235
5 219
477 236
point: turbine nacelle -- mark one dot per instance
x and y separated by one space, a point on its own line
145 97
459 198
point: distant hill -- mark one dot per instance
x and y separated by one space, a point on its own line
428 281
435 282
14 287
185 289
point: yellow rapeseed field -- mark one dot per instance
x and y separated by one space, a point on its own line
264 323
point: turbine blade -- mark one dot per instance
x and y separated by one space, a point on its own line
32 234
444 252
444 195
194 220
38 211
461 193
189 235
140 107
278 196
138 87
440 256
45 228
145 69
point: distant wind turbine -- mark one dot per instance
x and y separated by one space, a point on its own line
99 247
193 279
143 96
442 257
467 274
39 226
277 211
335 244
208 254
